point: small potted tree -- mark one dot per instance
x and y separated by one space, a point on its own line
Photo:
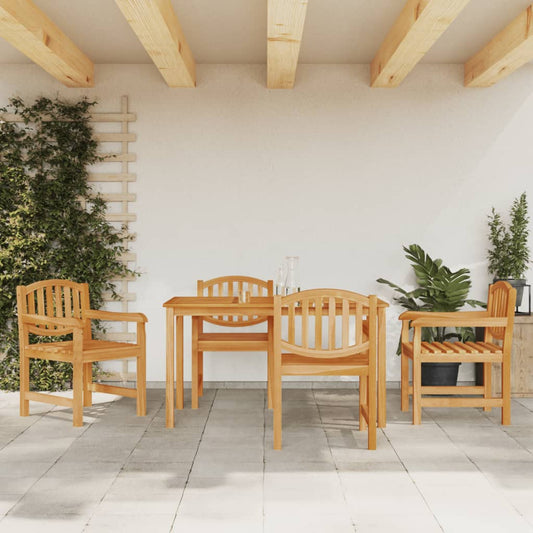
438 289
509 253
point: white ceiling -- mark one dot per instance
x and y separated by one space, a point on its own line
234 31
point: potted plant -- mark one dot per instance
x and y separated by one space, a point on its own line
508 254
438 289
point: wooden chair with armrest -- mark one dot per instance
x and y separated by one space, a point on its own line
232 341
337 336
498 322
57 307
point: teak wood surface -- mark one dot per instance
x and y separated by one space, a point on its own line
206 306
498 322
230 339
56 307
311 346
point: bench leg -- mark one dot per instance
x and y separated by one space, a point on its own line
24 385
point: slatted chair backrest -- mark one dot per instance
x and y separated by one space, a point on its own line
55 298
231 286
501 303
328 323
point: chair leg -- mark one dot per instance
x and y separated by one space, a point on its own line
372 412
24 385
417 392
363 400
77 400
194 361
487 383
141 384
404 383
270 361
87 381
269 381
277 406
506 394
200 373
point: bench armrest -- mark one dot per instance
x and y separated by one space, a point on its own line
62 322
115 316
413 315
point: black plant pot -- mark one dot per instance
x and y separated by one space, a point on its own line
480 337
440 374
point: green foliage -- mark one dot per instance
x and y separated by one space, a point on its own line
51 224
509 252
438 290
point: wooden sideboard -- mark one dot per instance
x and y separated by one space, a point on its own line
521 360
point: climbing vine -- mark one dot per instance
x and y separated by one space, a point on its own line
52 224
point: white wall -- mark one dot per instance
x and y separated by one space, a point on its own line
232 177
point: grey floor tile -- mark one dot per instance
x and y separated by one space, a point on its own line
66 523
126 485
8 501
143 502
93 452
221 524
161 455
128 523
38 451
225 498
225 468
23 469
365 491
16 485
460 470
302 493
399 523
242 453
310 522
253 439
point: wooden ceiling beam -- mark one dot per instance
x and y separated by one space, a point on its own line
285 28
418 27
29 30
506 52
157 27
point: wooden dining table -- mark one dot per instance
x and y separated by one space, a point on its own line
205 306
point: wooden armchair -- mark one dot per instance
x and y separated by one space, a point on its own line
59 307
228 341
303 352
498 322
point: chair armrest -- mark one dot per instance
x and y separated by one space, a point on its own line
115 315
412 315
435 322
40 320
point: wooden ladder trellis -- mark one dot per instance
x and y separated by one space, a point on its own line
125 198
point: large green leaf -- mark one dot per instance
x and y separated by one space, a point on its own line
439 290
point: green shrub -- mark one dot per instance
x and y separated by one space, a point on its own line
509 252
52 225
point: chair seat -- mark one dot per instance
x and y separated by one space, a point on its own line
456 351
244 342
299 365
93 350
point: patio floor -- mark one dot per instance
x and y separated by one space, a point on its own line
217 471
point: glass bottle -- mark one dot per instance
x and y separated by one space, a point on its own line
279 281
292 283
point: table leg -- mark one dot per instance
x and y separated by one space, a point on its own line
194 363
270 359
169 396
382 368
179 362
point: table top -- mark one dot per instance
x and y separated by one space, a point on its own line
204 304
216 301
